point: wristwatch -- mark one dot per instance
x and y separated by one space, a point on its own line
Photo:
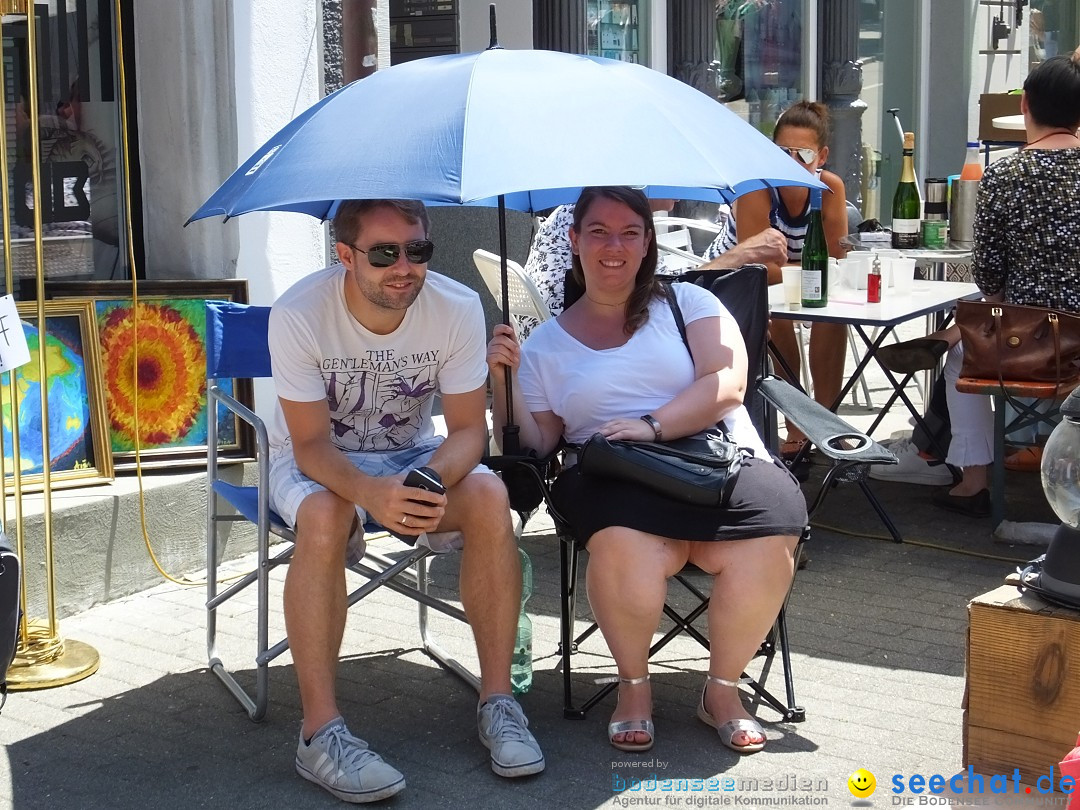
654 423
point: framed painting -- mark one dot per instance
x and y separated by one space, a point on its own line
77 436
166 408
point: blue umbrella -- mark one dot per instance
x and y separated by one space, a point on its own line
532 127
523 129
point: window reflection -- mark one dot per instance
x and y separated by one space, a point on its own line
78 138
1052 28
871 57
614 30
758 58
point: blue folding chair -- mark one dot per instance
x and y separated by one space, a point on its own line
237 348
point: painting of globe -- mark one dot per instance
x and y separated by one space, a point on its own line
68 400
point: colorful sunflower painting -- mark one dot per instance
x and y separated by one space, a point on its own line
171 372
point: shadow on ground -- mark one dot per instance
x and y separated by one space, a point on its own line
180 741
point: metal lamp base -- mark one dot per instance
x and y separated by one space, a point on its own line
47 661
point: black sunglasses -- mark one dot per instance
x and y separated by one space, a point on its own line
416 252
804 155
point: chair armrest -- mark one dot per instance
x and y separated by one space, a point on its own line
824 428
218 396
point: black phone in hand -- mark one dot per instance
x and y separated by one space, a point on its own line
421 478
424 478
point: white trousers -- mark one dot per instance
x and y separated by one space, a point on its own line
971 415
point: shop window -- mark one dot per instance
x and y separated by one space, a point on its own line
1053 28
758 58
616 30
78 126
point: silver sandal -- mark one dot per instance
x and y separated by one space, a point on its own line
625 726
728 730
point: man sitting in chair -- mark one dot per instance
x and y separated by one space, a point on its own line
359 351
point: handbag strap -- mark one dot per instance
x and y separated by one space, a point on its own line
673 302
680 324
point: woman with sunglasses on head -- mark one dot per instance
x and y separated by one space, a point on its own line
802 132
614 362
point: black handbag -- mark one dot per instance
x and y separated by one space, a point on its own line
10 613
699 469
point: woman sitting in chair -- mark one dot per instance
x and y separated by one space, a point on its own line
1027 251
614 362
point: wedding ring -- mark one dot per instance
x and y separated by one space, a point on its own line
404 520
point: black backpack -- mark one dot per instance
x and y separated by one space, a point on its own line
9 611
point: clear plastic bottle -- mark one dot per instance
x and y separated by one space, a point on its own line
521 663
973 169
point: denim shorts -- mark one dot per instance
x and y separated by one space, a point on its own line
289 487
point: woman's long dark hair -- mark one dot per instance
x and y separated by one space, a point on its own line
646 284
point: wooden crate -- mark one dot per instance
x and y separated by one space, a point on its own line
1022 698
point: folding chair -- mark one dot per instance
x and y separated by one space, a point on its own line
237 348
745 293
525 299
674 237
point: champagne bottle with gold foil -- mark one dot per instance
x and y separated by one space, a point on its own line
906 212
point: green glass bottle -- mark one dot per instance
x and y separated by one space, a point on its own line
906 212
815 257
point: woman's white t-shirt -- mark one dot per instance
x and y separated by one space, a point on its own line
588 387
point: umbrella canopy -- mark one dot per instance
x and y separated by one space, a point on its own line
532 127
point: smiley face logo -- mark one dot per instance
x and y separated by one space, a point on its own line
861 783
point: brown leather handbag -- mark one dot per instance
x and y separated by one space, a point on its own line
1020 343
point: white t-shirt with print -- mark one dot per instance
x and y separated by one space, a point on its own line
588 387
380 388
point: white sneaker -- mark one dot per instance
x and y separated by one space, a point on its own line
346 766
912 467
505 732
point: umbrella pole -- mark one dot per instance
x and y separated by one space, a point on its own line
511 444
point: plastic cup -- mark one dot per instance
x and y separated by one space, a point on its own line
902 273
886 269
835 273
857 268
792 286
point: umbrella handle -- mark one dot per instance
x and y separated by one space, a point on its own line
504 278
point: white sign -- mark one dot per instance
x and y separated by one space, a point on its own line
13 349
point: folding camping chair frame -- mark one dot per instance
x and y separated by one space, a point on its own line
228 503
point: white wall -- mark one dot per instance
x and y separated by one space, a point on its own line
515 24
278 68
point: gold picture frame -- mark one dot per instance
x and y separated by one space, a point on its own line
78 447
